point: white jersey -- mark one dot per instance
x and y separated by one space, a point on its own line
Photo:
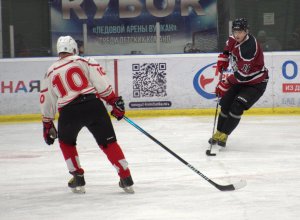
68 78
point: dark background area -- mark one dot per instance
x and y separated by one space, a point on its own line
32 32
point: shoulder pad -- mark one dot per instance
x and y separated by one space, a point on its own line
92 60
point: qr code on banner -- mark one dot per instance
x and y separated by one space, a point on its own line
149 80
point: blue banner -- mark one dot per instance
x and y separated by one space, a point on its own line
137 26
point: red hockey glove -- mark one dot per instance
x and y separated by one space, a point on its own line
50 132
118 110
222 87
223 62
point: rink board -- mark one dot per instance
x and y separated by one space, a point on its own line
157 82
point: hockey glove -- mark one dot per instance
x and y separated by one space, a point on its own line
50 132
222 87
118 110
223 62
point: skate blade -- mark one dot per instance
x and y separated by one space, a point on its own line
128 189
78 190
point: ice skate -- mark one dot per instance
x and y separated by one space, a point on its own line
77 183
126 184
222 140
218 138
214 139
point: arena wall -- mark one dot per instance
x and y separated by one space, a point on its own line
162 83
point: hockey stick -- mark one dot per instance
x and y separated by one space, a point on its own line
230 187
208 152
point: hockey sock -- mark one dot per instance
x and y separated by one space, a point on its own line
231 123
71 157
116 157
221 120
234 116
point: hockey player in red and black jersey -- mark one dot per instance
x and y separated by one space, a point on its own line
77 86
242 89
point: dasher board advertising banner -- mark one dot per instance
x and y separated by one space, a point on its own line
174 83
286 79
20 82
137 26
152 82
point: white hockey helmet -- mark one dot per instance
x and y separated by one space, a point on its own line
66 44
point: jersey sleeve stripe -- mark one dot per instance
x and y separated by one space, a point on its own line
58 67
106 92
48 74
90 64
44 90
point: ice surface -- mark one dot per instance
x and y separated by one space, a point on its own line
263 150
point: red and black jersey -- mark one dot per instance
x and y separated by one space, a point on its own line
247 61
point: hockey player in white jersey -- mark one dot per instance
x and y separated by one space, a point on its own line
76 86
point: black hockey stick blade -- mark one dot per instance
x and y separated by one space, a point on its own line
229 187
209 153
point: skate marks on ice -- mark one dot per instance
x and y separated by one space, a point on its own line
264 151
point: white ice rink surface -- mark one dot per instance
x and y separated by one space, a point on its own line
263 150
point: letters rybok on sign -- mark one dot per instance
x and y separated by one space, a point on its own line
131 8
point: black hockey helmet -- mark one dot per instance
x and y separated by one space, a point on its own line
240 24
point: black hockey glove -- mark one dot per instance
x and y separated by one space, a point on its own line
50 132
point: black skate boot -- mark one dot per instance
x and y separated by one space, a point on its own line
77 183
126 184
